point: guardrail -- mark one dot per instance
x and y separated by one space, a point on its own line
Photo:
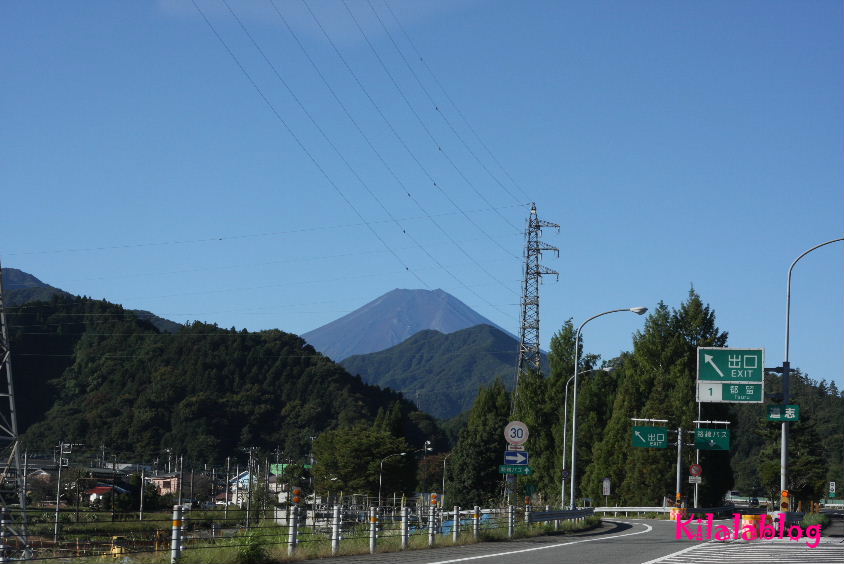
562 515
689 510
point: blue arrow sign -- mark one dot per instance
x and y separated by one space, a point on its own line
515 457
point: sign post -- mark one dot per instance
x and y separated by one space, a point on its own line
728 375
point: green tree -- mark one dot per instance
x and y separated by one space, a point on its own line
473 477
657 380
349 460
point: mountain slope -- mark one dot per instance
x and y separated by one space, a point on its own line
391 319
21 288
441 372
91 372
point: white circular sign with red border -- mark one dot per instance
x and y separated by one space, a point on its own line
695 469
516 433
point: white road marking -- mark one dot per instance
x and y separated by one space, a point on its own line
557 545
763 552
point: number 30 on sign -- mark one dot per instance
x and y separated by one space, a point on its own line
516 433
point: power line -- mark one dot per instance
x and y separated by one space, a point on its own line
301 144
442 115
460 114
412 109
388 167
337 150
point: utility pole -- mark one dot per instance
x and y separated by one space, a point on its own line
141 511
62 452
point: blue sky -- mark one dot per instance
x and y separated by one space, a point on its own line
321 155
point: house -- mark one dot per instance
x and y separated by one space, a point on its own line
97 493
166 483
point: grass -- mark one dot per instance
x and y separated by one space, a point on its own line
268 543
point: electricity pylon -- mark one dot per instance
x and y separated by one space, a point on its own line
530 357
12 479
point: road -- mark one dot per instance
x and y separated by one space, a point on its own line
627 541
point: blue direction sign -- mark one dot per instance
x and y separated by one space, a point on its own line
515 457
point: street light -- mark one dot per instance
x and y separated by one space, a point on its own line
786 366
565 428
381 472
637 311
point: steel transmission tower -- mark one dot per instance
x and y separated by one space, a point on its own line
12 479
530 357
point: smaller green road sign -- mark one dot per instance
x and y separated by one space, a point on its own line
650 437
712 439
715 392
515 469
784 412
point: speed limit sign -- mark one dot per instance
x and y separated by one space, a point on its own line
516 433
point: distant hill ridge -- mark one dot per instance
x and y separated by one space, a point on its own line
23 288
441 373
391 319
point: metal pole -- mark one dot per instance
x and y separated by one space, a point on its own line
58 494
175 539
679 460
511 521
455 530
697 455
141 511
335 531
786 366
476 522
3 534
226 506
404 529
432 517
565 429
373 529
293 529
636 310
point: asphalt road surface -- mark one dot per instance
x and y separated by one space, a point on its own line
624 541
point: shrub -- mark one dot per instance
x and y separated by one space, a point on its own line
816 519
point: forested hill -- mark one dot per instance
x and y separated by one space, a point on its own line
441 373
91 372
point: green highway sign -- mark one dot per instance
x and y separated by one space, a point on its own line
789 412
650 437
715 392
712 439
726 375
515 469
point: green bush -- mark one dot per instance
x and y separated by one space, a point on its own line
816 519
252 550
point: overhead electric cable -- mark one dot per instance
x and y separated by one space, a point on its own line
217 238
392 171
459 113
427 130
392 128
301 144
441 114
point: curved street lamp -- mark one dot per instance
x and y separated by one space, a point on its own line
565 429
786 365
638 311
381 472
